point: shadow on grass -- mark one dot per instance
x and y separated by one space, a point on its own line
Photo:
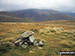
4 48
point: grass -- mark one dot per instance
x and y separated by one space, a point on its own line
56 37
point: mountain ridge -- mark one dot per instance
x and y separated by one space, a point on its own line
43 14
34 15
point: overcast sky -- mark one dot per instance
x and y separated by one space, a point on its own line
61 5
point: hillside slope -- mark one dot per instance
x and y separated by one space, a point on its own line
43 14
4 18
29 15
70 13
7 13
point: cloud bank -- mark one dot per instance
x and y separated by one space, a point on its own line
61 5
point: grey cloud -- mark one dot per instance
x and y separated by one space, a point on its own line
61 5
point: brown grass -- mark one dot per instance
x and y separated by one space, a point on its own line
54 41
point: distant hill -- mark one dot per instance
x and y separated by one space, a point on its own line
7 13
29 15
10 17
43 14
13 19
70 13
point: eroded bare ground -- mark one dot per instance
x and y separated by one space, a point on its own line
56 35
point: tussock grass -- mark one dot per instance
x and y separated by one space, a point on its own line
55 37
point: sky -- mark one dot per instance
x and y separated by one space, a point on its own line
60 5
